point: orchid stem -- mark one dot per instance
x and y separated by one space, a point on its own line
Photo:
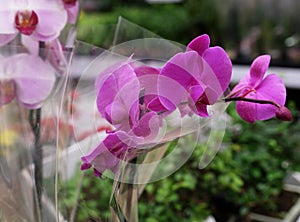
252 101
35 119
35 122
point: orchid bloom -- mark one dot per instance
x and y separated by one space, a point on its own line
127 98
38 19
26 78
109 153
260 98
204 72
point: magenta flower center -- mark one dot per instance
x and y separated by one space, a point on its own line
7 91
26 21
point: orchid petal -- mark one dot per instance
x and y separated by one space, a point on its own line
196 92
34 78
186 68
7 20
146 70
273 83
166 95
119 91
246 110
108 154
258 69
148 125
50 24
221 68
199 44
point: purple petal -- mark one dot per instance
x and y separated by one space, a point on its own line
148 78
199 44
118 96
185 68
85 166
34 78
258 69
153 102
242 87
196 92
200 108
166 95
148 125
146 70
108 153
181 72
221 66
246 110
272 89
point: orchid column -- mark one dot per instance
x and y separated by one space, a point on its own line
33 78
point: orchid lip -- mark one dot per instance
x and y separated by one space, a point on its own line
26 21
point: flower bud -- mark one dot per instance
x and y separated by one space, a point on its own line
284 114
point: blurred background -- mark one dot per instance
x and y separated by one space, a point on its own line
244 28
256 171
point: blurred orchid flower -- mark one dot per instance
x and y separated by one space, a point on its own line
204 72
39 19
260 98
54 52
26 78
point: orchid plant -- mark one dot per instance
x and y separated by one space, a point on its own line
32 59
136 99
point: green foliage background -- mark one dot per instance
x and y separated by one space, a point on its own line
247 174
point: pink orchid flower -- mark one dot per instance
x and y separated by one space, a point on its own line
127 101
109 153
127 98
260 98
39 19
54 53
204 72
26 78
